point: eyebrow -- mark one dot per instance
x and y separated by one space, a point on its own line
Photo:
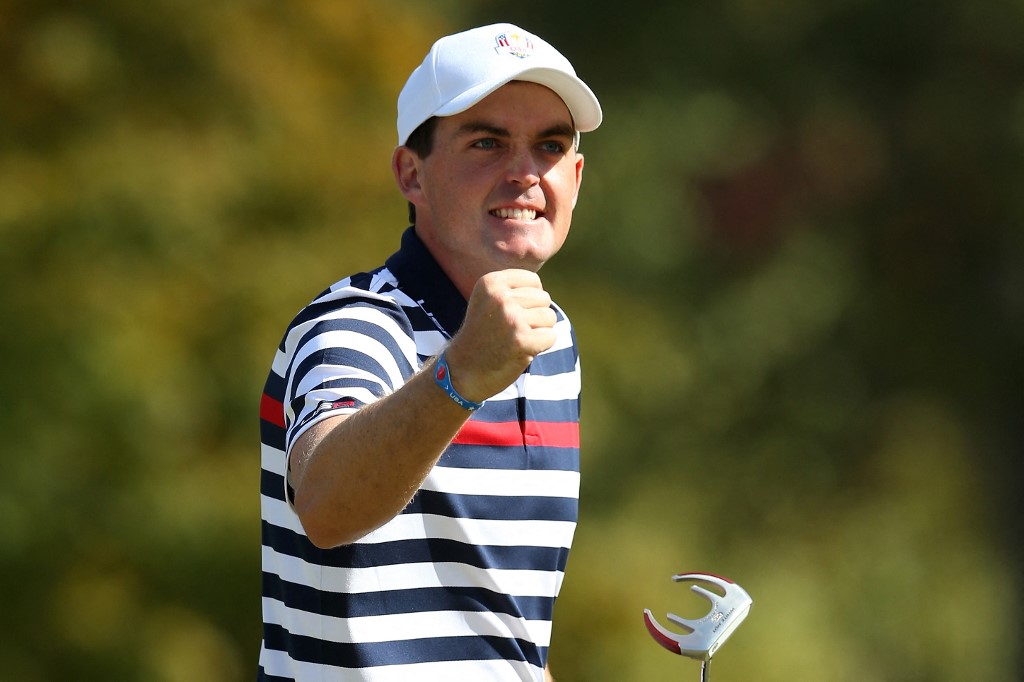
474 127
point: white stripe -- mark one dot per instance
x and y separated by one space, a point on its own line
316 396
278 663
504 482
405 626
564 386
563 337
272 459
498 533
382 278
343 289
556 387
429 342
474 531
280 364
280 514
517 582
380 319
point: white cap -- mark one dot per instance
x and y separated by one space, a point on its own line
462 69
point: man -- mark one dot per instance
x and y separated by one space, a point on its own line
420 421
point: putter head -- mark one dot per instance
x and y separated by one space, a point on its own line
705 635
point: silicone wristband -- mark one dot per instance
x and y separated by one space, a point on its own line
443 378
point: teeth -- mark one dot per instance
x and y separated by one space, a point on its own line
515 213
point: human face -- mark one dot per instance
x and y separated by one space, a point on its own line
498 189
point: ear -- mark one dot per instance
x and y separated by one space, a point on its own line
405 164
579 178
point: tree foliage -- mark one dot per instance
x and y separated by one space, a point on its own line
795 272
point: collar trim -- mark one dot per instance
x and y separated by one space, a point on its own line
424 281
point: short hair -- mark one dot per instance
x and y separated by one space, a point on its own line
421 141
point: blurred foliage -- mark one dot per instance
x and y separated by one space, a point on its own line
796 273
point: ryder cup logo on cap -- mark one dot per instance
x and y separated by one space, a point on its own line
462 69
516 44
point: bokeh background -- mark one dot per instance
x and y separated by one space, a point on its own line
796 270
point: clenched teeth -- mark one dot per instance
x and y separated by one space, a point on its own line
515 213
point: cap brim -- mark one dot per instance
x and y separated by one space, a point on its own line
578 97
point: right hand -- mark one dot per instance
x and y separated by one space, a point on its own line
509 321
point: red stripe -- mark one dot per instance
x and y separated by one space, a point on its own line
272 410
551 434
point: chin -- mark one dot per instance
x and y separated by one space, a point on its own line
527 253
525 260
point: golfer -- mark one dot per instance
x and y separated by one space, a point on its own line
420 422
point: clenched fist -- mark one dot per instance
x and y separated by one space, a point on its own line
509 321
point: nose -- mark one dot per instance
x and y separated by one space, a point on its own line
523 168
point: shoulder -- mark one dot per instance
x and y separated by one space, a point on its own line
370 292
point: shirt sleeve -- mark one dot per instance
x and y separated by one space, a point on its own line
346 357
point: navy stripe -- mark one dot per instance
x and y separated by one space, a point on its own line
342 357
289 543
452 551
365 328
493 507
562 361
420 600
403 652
516 458
272 435
368 555
553 410
364 280
506 410
349 383
271 485
274 386
327 314
497 411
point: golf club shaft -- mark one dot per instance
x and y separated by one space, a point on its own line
705 671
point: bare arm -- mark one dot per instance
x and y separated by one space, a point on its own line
352 474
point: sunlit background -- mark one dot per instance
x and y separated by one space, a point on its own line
796 272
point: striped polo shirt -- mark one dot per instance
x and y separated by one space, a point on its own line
461 585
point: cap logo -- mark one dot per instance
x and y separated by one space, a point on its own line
515 44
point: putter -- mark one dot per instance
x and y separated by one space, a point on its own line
704 636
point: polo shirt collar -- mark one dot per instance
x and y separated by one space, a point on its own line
424 281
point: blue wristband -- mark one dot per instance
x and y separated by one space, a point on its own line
443 378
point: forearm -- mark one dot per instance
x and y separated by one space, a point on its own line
353 474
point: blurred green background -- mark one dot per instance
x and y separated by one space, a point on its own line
796 271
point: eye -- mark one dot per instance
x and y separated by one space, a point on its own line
553 147
486 143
